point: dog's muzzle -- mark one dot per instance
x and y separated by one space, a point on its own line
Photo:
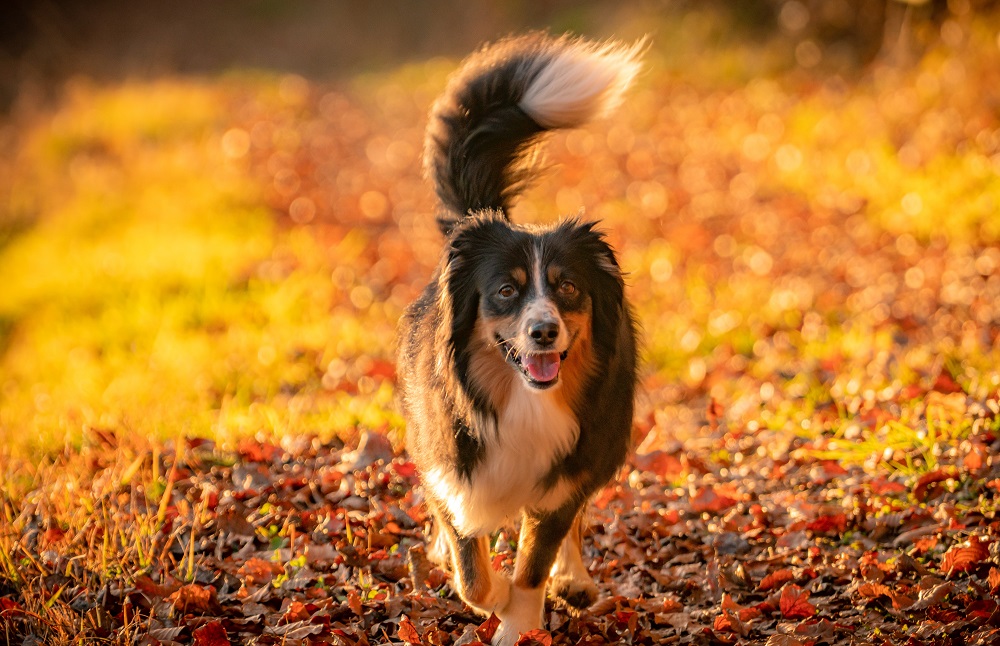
539 369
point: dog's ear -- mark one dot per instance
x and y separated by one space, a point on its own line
607 293
461 293
468 242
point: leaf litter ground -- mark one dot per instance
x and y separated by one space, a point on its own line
816 440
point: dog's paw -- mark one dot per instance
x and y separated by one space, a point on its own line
522 613
508 633
576 593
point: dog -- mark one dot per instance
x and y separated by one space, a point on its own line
517 363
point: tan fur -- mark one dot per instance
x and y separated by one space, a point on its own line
579 363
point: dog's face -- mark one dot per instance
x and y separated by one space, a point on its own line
531 298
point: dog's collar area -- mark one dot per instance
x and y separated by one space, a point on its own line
517 360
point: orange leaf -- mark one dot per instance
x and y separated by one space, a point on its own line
408 632
296 611
775 580
794 603
211 634
354 603
994 580
659 462
705 499
872 590
258 571
193 598
965 557
153 590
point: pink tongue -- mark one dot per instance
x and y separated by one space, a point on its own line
542 367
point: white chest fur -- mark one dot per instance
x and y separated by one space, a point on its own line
532 431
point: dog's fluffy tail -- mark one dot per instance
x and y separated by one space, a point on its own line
502 99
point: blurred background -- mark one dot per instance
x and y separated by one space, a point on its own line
212 213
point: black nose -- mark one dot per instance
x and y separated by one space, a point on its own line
545 332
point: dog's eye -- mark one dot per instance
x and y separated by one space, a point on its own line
567 288
507 291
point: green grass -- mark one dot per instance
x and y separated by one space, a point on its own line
154 293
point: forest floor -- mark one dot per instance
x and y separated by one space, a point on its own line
204 275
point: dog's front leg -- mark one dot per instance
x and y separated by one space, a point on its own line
542 533
569 578
473 577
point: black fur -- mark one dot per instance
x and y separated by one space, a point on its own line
477 133
476 143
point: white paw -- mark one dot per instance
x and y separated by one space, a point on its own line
522 613
507 634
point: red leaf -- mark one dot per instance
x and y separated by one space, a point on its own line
488 628
408 632
254 451
405 469
707 500
965 557
152 590
733 616
8 604
659 462
537 636
882 487
775 580
794 603
835 524
928 479
833 469
211 634
53 535
945 383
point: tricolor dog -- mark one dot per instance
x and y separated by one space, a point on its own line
518 362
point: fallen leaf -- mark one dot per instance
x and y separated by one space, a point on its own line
994 580
782 640
211 634
932 596
794 603
775 580
488 628
920 490
537 636
966 556
407 632
707 500
354 603
193 598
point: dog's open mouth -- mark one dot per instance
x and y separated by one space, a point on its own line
539 369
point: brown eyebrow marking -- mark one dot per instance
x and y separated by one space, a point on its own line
554 273
519 275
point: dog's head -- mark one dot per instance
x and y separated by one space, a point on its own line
532 302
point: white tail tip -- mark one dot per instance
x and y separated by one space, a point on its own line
581 82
